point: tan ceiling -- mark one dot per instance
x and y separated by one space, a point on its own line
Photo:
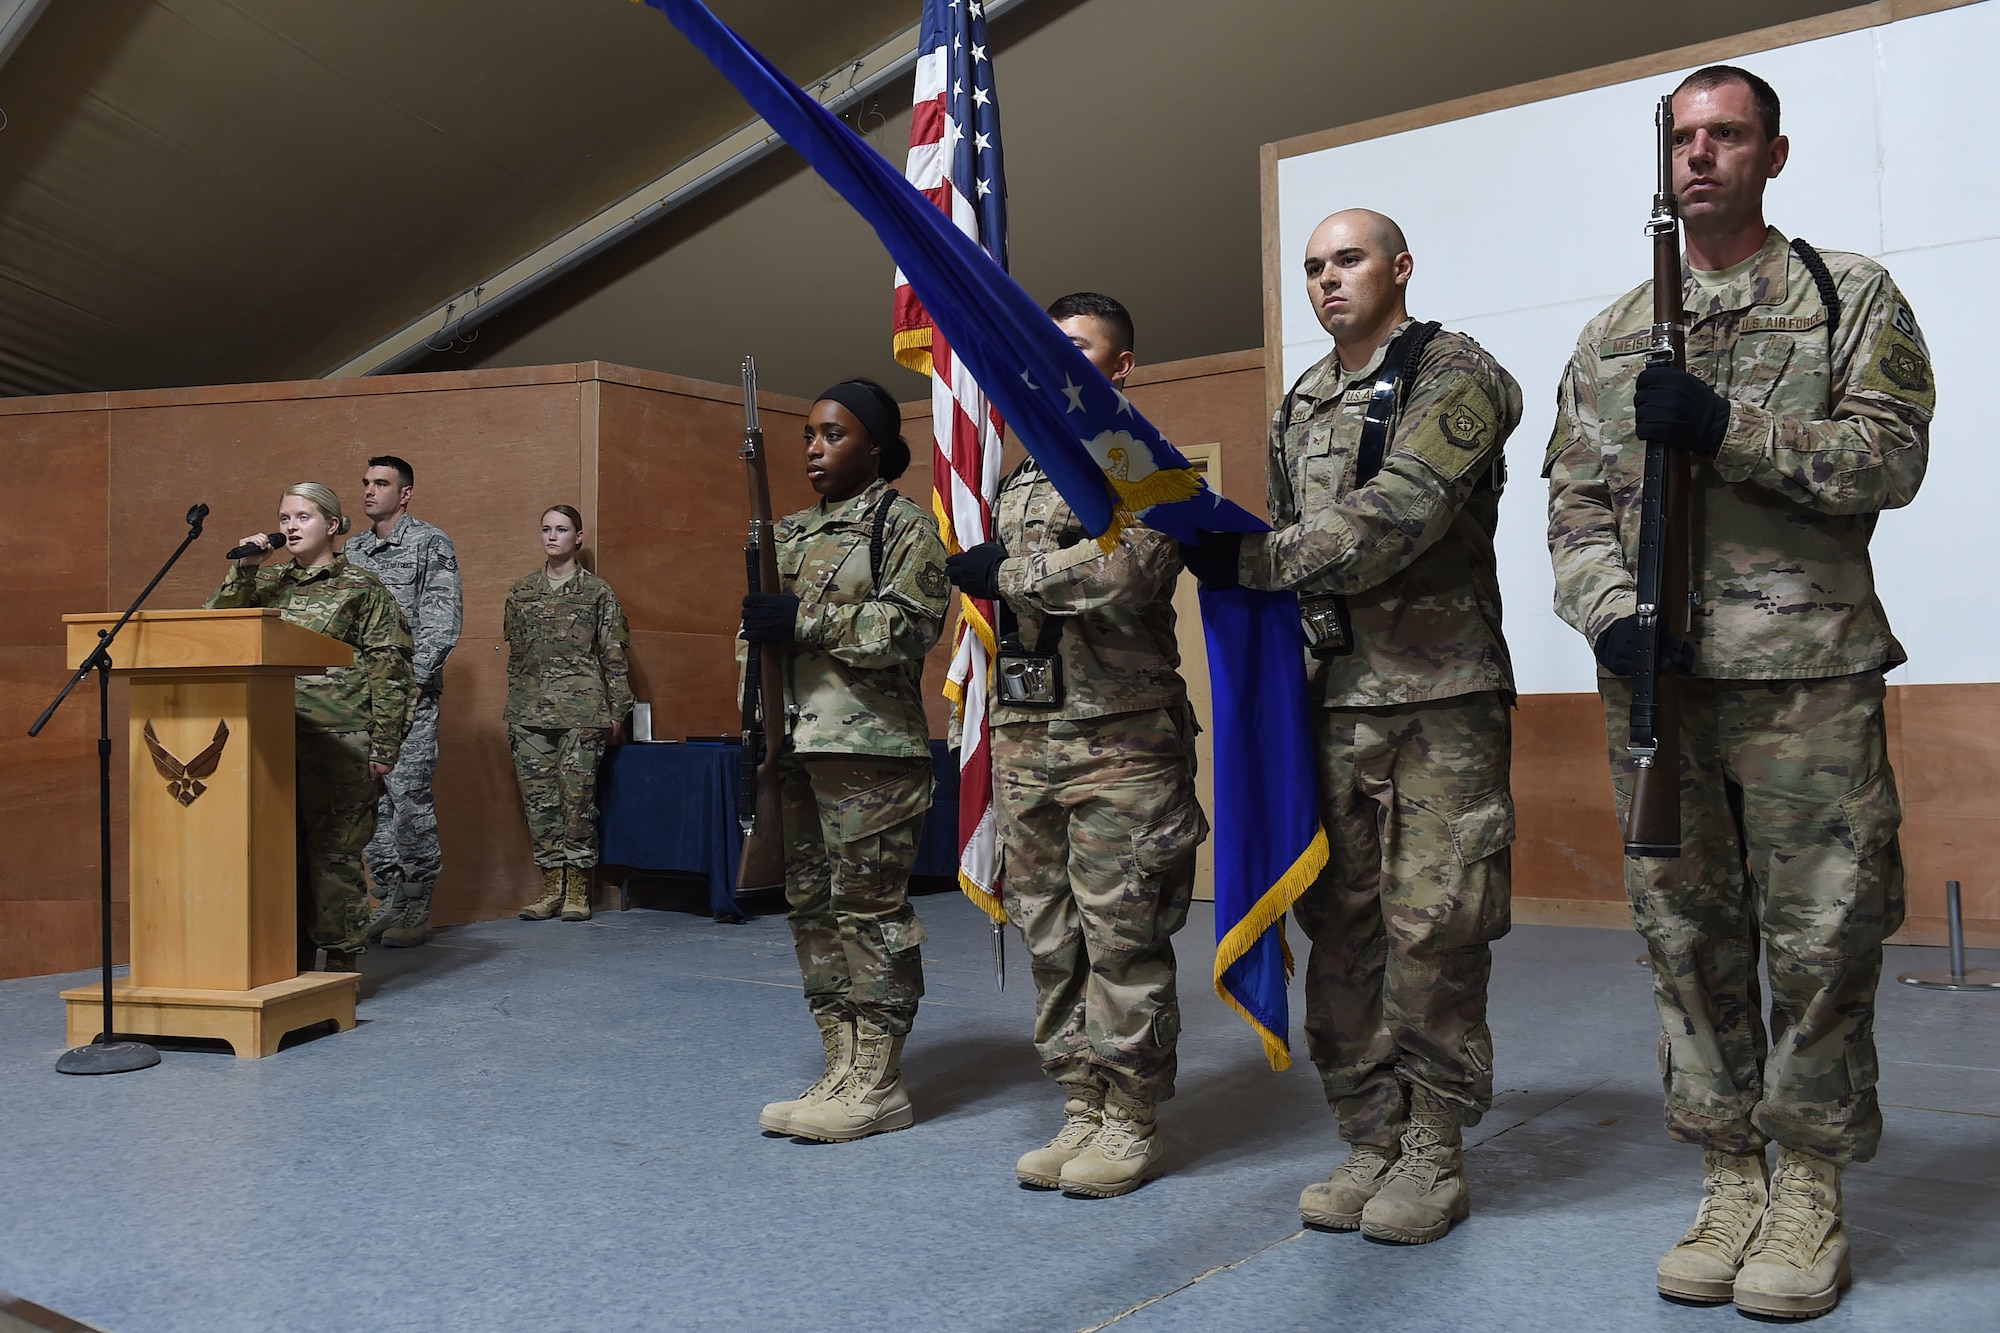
204 190
218 190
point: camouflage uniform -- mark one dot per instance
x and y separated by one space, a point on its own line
348 718
566 690
857 775
1097 815
1788 806
1414 741
418 566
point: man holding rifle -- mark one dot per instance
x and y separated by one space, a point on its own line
1804 410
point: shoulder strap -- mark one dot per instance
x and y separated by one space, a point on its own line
876 532
1829 295
1387 396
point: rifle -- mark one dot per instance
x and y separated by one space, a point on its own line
1653 825
759 804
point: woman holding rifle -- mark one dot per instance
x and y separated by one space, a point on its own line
351 720
567 697
863 601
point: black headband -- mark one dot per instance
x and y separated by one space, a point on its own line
883 424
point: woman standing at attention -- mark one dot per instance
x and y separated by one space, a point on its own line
351 719
863 602
567 697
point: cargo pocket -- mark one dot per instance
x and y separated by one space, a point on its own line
1873 814
1161 846
1483 828
900 935
882 807
1481 833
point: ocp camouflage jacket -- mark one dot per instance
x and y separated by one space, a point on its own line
378 692
1821 438
1118 647
1412 549
565 652
857 659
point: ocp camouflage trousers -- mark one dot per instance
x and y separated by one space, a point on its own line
557 771
1419 820
851 829
1788 847
336 817
1098 828
405 846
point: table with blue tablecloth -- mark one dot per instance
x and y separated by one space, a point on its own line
672 807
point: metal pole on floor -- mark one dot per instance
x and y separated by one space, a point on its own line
1957 978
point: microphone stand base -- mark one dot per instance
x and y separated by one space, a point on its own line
116 1057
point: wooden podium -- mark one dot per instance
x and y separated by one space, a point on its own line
214 859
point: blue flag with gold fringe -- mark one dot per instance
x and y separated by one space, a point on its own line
1113 468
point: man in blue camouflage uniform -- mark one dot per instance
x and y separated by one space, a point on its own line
415 561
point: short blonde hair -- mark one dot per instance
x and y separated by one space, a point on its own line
323 499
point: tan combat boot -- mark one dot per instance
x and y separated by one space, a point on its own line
837 1035
1335 1204
1425 1191
1799 1264
550 902
1083 1116
413 924
576 897
1702 1268
1125 1151
869 1099
388 908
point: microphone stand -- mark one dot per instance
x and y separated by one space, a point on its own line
108 1055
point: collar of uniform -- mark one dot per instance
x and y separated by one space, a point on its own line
396 532
1763 284
1330 378
550 585
851 510
299 573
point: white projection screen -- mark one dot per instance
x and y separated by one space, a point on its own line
1527 220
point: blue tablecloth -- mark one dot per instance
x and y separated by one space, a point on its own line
673 807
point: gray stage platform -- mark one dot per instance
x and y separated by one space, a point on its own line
553 1127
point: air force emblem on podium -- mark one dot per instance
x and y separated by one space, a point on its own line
184 781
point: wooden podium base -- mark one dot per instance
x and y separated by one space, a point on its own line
253 1022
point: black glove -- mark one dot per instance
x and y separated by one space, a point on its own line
1618 649
1674 408
1213 562
976 573
769 617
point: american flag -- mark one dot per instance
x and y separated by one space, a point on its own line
955 161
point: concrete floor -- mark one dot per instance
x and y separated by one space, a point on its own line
553 1127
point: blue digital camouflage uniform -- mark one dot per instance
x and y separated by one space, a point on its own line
1789 813
417 564
348 718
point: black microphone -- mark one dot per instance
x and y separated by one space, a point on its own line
276 539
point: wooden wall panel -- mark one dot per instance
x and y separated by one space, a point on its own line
492 448
1569 846
51 565
1945 744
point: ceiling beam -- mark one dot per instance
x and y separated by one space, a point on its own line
16 17
466 310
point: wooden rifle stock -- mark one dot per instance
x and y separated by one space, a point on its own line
1653 824
759 799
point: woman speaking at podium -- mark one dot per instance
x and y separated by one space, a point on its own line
351 719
